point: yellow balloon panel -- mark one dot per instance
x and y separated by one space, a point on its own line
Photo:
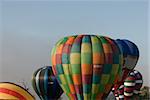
11 90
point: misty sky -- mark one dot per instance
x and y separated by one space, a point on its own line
31 28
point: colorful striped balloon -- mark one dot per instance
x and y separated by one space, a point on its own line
130 87
130 55
138 81
11 91
45 84
87 66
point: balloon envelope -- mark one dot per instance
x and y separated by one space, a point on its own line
130 57
131 85
86 65
13 91
130 53
136 80
45 84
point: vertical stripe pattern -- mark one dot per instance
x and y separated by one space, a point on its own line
87 66
45 84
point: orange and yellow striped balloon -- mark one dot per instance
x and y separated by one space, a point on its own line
13 91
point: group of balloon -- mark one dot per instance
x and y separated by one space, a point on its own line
84 67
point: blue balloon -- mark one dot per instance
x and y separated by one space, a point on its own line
45 84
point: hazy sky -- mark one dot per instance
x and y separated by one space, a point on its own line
30 29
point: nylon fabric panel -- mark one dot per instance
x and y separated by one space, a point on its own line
38 83
133 48
34 84
59 67
98 62
45 83
86 66
66 66
41 83
5 96
117 59
75 63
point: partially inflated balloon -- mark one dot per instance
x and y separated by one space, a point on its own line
130 87
87 66
133 80
138 81
11 91
130 55
45 84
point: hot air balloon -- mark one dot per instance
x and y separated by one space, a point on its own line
138 81
45 84
11 91
86 66
130 56
134 79
130 87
